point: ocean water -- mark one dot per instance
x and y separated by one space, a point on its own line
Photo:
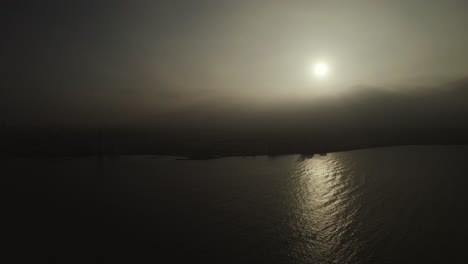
385 205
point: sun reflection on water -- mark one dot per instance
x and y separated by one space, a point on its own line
323 206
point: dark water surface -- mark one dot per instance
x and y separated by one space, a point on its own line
389 205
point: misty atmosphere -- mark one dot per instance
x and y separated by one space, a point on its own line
365 117
179 78
248 131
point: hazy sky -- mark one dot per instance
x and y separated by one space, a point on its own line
136 59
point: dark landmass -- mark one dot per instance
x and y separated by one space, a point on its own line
365 118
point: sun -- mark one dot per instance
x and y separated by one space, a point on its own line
321 69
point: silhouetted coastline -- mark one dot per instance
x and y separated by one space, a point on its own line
367 118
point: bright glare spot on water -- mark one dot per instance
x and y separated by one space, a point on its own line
324 197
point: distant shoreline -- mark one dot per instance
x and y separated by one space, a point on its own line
199 156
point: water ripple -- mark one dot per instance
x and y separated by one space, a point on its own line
324 202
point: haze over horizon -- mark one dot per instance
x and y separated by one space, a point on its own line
235 131
133 63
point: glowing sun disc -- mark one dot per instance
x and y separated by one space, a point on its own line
321 70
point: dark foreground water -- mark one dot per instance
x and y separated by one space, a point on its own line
389 205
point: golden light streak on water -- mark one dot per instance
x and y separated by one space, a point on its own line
325 204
